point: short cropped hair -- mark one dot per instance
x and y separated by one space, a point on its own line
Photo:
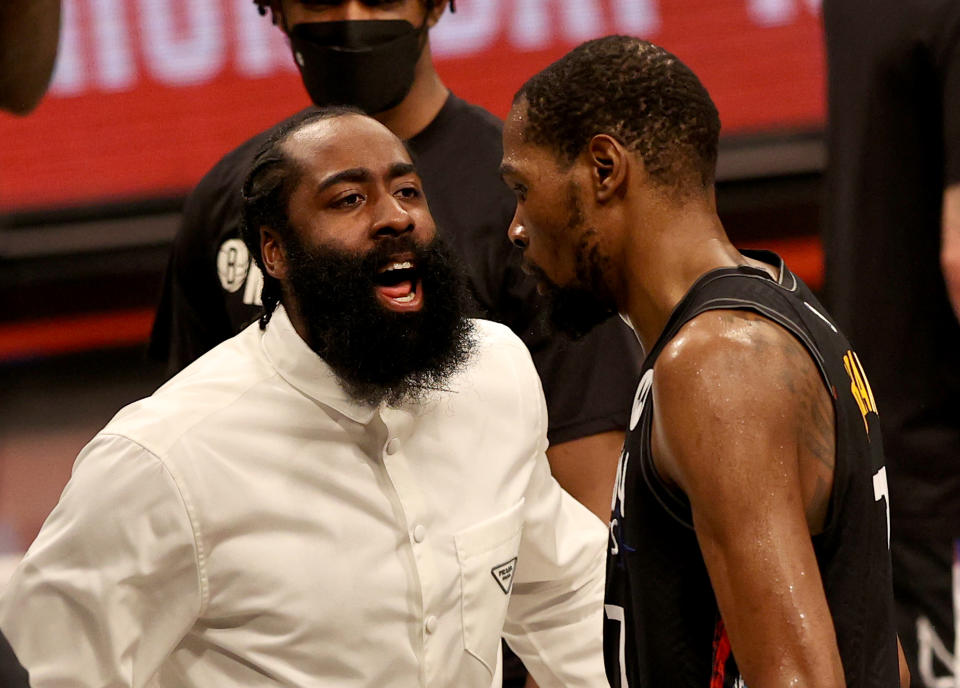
266 193
635 91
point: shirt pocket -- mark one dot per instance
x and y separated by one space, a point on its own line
487 553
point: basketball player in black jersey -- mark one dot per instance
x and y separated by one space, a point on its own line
749 537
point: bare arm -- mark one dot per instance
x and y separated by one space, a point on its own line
904 668
737 404
586 468
950 245
29 31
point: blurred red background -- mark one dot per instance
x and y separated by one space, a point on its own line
149 94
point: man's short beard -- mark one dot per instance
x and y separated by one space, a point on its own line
382 356
577 308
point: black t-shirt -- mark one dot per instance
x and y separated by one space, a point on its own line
662 626
12 674
894 143
212 288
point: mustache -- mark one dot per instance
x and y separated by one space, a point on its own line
389 247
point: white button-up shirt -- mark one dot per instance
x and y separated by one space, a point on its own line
251 525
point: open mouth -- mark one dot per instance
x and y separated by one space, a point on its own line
398 285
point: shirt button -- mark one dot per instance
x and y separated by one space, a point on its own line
419 533
431 624
393 446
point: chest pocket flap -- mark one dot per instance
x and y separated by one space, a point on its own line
487 552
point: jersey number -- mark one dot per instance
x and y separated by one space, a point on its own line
615 613
881 491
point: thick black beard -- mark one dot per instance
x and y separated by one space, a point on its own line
381 355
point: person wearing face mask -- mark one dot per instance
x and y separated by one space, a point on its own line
375 55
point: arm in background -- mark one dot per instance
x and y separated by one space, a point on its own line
29 31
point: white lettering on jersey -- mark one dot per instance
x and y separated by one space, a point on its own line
930 646
616 613
643 390
881 491
251 294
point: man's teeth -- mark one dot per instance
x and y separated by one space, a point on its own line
405 265
406 299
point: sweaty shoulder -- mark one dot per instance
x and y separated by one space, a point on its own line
727 377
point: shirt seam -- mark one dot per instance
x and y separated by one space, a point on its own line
198 547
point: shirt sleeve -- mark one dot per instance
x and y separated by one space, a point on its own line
589 384
112 582
555 618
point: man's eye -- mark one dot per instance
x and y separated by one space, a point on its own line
520 191
348 201
408 192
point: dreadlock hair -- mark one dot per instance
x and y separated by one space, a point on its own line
635 91
266 194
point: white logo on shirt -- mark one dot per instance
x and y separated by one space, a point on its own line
233 263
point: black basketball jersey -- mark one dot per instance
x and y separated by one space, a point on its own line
662 627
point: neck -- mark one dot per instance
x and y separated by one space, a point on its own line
422 103
680 242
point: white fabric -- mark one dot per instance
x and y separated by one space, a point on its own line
250 525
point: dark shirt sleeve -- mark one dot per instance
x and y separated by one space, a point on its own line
191 317
589 383
12 674
948 58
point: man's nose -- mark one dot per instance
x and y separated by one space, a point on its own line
355 10
517 234
393 219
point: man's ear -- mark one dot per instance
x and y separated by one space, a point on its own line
434 14
609 163
276 14
274 256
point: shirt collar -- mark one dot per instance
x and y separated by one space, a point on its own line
303 369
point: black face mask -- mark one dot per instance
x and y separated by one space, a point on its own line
368 64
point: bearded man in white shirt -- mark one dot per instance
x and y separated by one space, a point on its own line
352 493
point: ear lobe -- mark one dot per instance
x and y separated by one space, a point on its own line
274 257
608 160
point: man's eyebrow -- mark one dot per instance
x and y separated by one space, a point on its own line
401 169
354 174
506 168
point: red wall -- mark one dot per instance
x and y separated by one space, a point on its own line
148 94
